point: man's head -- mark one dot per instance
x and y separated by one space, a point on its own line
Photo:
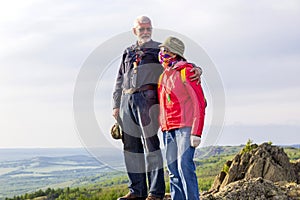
142 28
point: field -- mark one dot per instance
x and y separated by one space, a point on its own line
71 177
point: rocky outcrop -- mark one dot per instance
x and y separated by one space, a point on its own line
254 173
296 166
256 188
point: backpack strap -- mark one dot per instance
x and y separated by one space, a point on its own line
183 79
159 80
183 75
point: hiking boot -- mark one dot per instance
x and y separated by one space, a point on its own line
150 197
131 196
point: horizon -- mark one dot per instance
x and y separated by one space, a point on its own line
85 149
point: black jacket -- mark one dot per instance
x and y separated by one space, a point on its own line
147 71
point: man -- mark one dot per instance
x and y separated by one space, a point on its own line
135 107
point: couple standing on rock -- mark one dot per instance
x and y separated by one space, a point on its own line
154 82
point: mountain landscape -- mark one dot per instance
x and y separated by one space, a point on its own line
28 170
75 174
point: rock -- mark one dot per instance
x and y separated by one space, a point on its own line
256 188
263 172
266 161
218 181
292 190
296 166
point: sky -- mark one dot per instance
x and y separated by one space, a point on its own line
44 44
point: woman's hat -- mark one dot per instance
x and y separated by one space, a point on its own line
174 45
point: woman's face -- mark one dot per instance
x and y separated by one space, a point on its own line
166 57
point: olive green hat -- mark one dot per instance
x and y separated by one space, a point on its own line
174 45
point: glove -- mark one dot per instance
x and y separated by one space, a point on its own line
195 140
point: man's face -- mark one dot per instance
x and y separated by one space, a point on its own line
143 32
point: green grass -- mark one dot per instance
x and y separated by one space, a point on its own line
292 153
115 185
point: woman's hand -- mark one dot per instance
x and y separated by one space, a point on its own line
195 140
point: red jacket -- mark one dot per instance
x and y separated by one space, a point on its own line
182 102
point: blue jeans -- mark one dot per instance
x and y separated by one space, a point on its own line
143 157
181 167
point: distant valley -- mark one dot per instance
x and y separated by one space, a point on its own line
43 168
28 170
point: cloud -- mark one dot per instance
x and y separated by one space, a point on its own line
277 134
44 43
261 108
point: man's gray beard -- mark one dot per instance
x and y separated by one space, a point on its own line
144 40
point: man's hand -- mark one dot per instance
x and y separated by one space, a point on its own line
197 75
195 140
115 113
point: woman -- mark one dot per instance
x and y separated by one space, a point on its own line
182 110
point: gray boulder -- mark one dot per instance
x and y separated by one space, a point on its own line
255 173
